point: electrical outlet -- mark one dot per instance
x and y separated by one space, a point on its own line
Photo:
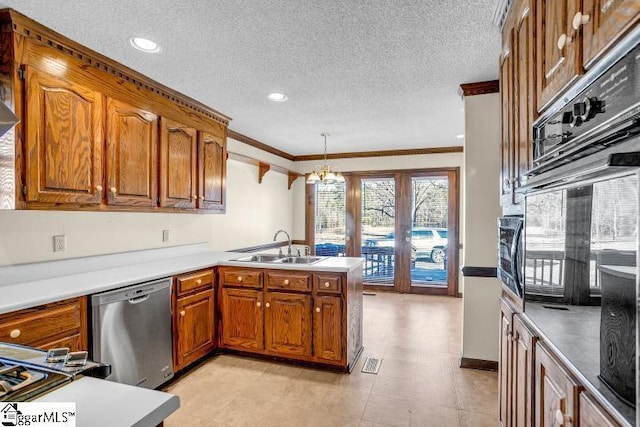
165 235
59 243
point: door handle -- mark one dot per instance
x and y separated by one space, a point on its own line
138 300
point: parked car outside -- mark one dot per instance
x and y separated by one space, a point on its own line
426 242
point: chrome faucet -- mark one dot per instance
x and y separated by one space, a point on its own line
275 236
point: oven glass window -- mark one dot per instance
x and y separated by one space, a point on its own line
545 244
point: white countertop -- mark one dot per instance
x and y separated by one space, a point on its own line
30 285
101 403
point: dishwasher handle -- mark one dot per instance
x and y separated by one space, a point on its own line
138 300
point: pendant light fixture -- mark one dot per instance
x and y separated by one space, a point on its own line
323 172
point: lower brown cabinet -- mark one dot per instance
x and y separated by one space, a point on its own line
327 327
242 318
194 317
288 323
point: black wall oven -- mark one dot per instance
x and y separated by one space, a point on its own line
510 250
580 259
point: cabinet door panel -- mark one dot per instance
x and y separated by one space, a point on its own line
288 323
607 21
556 392
178 164
558 50
242 322
505 364
195 327
213 161
131 155
592 414
327 328
522 374
64 141
507 115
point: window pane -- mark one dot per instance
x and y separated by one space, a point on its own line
330 219
378 223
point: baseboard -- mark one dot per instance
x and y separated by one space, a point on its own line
483 365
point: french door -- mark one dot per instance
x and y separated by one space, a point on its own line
403 223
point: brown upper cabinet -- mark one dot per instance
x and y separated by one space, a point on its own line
212 169
96 135
63 145
132 144
572 35
178 165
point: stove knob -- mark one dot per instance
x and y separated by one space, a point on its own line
579 110
592 107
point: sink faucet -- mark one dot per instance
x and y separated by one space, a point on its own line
275 236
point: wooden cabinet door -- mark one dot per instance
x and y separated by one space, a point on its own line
73 342
505 364
242 322
327 328
558 48
178 164
604 21
194 317
288 323
592 414
132 157
556 397
523 91
507 118
522 374
212 160
64 136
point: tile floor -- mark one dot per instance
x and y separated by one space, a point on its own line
419 383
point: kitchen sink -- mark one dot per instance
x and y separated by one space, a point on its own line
260 258
301 260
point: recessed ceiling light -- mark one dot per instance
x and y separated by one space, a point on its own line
460 136
145 45
277 97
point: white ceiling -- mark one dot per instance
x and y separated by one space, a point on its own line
376 75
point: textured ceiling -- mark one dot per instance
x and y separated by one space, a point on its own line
376 75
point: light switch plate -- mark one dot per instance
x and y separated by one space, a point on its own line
59 243
165 235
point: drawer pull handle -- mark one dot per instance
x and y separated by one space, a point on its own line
15 333
199 281
327 284
258 303
182 313
286 281
239 278
317 309
267 305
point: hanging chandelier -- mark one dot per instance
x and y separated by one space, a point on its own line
323 173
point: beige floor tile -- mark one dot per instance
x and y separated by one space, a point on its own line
477 391
477 419
433 416
389 411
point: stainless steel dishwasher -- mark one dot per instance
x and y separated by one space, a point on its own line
132 333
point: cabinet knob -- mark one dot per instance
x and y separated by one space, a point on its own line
579 19
259 304
267 305
286 281
239 278
15 333
348 238
114 190
182 313
327 284
199 281
201 197
193 196
561 417
317 309
564 40
98 188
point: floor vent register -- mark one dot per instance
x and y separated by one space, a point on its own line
371 365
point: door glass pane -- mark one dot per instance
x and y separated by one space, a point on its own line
429 230
378 230
330 219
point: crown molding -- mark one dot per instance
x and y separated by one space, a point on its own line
382 153
479 88
259 145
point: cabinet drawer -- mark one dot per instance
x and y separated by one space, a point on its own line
190 282
241 277
41 324
73 342
327 283
290 281
592 414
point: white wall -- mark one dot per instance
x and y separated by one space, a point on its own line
254 212
482 205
